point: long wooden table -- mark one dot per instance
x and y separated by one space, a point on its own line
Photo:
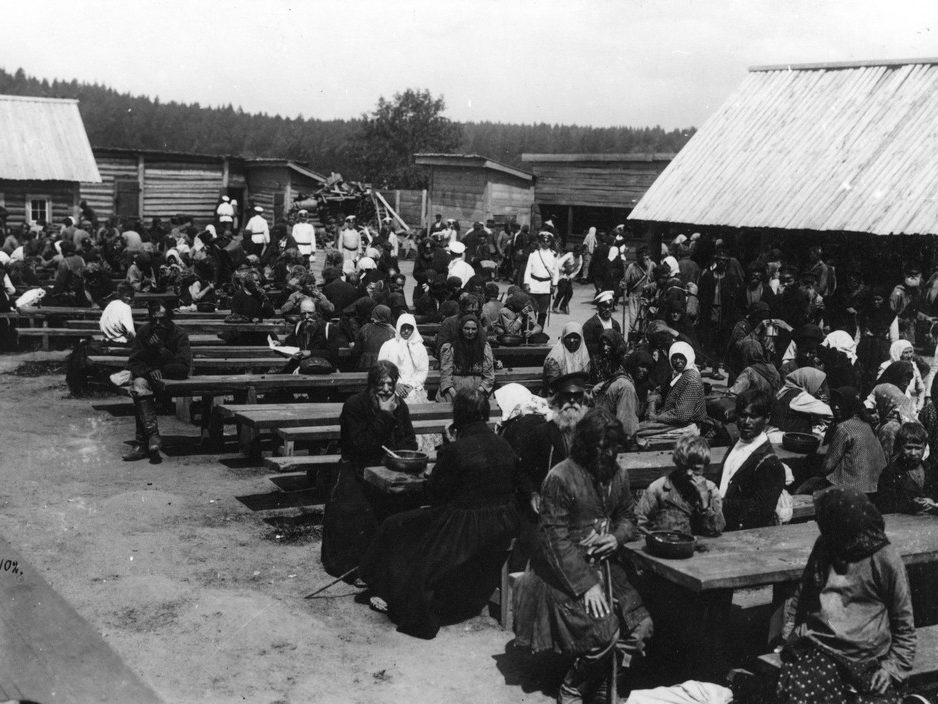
760 557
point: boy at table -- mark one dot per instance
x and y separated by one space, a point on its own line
752 476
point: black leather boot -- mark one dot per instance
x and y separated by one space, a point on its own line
139 449
150 426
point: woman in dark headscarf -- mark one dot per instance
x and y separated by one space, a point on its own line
638 365
372 335
853 625
893 408
757 372
466 361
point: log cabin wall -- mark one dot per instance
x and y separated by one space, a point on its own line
474 191
62 197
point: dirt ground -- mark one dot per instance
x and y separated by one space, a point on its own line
195 591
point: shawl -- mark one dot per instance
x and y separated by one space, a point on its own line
567 361
752 355
806 379
605 366
892 404
842 341
468 354
685 350
852 529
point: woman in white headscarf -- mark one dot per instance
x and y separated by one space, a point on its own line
902 351
685 405
406 350
568 355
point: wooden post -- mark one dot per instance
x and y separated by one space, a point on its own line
424 213
569 222
141 181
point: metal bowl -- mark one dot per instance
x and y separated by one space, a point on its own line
803 443
510 340
409 461
670 544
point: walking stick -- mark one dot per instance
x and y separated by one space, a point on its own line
334 581
614 673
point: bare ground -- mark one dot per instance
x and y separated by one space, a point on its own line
195 591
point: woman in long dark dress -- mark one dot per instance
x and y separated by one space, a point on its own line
442 562
369 419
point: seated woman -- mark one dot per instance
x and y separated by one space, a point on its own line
840 360
801 406
684 500
369 419
851 625
902 351
684 406
758 372
854 455
372 335
568 355
908 485
441 563
893 408
466 362
751 476
408 353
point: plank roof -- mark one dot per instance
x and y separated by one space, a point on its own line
826 147
470 160
44 139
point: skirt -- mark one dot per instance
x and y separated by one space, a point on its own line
811 675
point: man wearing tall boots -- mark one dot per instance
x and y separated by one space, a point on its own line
160 351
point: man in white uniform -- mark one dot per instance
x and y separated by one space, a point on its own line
225 214
540 275
458 265
350 242
304 234
258 232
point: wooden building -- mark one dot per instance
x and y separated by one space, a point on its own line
579 191
470 188
158 184
44 154
818 151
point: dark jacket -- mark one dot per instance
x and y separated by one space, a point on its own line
365 428
753 491
542 448
593 329
341 294
898 489
171 356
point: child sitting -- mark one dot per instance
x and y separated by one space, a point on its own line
684 500
907 485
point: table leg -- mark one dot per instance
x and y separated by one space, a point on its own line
709 659
781 594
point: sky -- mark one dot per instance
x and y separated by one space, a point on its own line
589 62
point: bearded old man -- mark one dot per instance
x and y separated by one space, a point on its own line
560 603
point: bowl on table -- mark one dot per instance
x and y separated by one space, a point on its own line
802 443
510 340
409 461
670 544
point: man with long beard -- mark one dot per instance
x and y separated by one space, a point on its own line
586 514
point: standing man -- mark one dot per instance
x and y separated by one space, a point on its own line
603 320
561 603
350 241
569 267
160 350
225 214
257 232
541 276
304 234
458 266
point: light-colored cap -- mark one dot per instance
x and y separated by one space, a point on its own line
457 247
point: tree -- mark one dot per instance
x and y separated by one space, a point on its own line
389 137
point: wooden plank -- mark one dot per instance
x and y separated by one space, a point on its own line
764 556
50 652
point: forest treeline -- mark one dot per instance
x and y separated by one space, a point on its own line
114 119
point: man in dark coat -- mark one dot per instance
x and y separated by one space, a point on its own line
160 350
339 292
603 320
587 513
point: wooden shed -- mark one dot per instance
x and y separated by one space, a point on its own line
469 187
579 191
161 184
44 154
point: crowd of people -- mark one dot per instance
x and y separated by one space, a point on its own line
815 350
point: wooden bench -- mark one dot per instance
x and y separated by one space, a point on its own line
46 334
924 669
209 365
316 433
49 653
203 326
